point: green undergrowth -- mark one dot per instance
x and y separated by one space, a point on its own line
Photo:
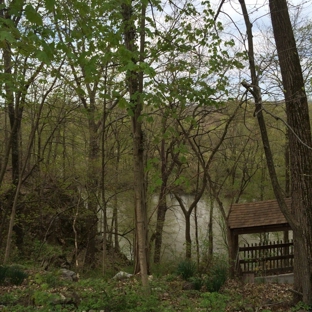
45 291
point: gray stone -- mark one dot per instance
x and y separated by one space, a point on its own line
69 275
122 275
67 298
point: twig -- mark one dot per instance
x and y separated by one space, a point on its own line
296 292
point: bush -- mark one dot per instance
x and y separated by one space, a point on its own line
197 282
217 276
11 275
186 269
3 270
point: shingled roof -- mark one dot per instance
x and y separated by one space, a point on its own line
256 214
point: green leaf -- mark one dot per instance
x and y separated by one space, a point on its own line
149 118
5 35
42 56
16 7
123 103
49 4
32 15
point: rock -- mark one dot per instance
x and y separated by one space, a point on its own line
157 289
69 275
68 298
122 275
189 286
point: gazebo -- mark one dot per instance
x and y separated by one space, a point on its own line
256 217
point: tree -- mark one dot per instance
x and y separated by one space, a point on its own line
169 58
190 60
19 21
191 57
82 74
299 215
167 152
205 155
135 90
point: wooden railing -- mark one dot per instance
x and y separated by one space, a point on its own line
266 259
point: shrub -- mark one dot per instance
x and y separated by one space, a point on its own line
11 275
197 282
186 269
3 270
217 276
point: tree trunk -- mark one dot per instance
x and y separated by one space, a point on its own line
161 216
210 230
162 201
188 238
196 236
92 187
300 144
187 216
196 219
115 223
103 193
135 88
287 180
15 115
167 167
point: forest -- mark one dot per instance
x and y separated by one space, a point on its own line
123 121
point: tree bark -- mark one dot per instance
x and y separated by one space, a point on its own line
161 216
135 89
92 186
167 155
210 229
300 146
188 238
166 170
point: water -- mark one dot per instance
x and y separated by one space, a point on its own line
173 246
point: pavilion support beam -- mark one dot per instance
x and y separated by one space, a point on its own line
233 252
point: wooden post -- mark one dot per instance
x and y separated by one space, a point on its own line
233 252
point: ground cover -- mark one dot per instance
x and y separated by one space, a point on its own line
48 291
